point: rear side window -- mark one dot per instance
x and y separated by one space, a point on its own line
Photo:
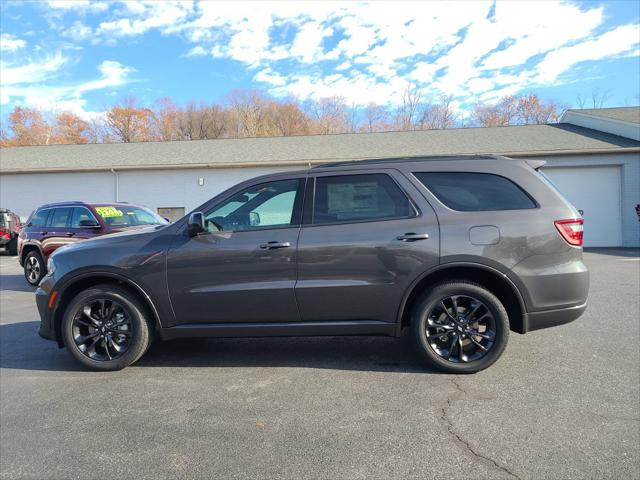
60 216
475 192
40 218
354 198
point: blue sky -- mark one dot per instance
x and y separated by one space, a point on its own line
85 55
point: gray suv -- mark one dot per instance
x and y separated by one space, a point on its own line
458 250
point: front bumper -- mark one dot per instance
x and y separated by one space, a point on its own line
46 329
551 318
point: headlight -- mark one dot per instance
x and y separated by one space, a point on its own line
51 266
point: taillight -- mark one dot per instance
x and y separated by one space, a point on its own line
571 230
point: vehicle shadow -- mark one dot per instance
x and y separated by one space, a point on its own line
15 283
615 252
22 348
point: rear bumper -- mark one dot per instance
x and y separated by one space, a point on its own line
551 318
46 328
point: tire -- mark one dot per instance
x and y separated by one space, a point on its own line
451 345
34 267
13 246
100 351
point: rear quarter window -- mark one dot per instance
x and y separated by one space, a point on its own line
475 192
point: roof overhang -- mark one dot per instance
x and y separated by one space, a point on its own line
302 163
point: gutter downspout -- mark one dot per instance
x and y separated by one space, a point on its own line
115 174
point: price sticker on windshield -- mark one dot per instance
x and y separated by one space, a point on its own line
109 212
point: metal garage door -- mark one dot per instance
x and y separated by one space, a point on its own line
596 191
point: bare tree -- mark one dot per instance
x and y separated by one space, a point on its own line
596 100
407 112
376 118
495 115
329 115
438 115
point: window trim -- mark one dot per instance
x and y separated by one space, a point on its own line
88 210
536 205
350 173
296 212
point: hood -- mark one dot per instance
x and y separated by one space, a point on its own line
125 234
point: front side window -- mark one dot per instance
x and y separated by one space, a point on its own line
475 192
265 205
40 218
82 217
356 198
128 216
60 217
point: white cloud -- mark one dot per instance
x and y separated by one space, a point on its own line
11 43
78 5
622 40
367 51
37 84
147 15
32 72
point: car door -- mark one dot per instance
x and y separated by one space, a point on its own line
55 234
365 238
36 228
243 269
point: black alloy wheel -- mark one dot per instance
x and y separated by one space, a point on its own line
459 327
102 329
107 327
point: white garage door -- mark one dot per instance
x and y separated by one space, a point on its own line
595 191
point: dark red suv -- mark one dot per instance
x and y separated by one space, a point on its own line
57 224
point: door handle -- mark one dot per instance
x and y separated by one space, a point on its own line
412 237
70 234
274 244
43 233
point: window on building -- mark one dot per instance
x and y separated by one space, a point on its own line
475 192
171 213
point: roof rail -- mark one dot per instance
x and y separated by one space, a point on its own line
57 204
425 158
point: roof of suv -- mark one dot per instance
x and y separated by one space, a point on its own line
77 202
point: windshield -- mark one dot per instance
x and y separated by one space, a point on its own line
128 216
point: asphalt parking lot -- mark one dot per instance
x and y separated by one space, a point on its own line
561 403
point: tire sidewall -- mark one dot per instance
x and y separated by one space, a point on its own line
140 338
43 268
429 301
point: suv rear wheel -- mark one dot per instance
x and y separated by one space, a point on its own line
460 327
34 268
105 328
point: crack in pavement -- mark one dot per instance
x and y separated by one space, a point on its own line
461 441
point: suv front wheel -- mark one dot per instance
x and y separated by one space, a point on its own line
105 328
460 327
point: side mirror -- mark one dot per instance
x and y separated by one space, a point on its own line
88 224
196 223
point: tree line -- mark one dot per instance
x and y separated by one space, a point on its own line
254 114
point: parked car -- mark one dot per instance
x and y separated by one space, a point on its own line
56 224
10 227
459 250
